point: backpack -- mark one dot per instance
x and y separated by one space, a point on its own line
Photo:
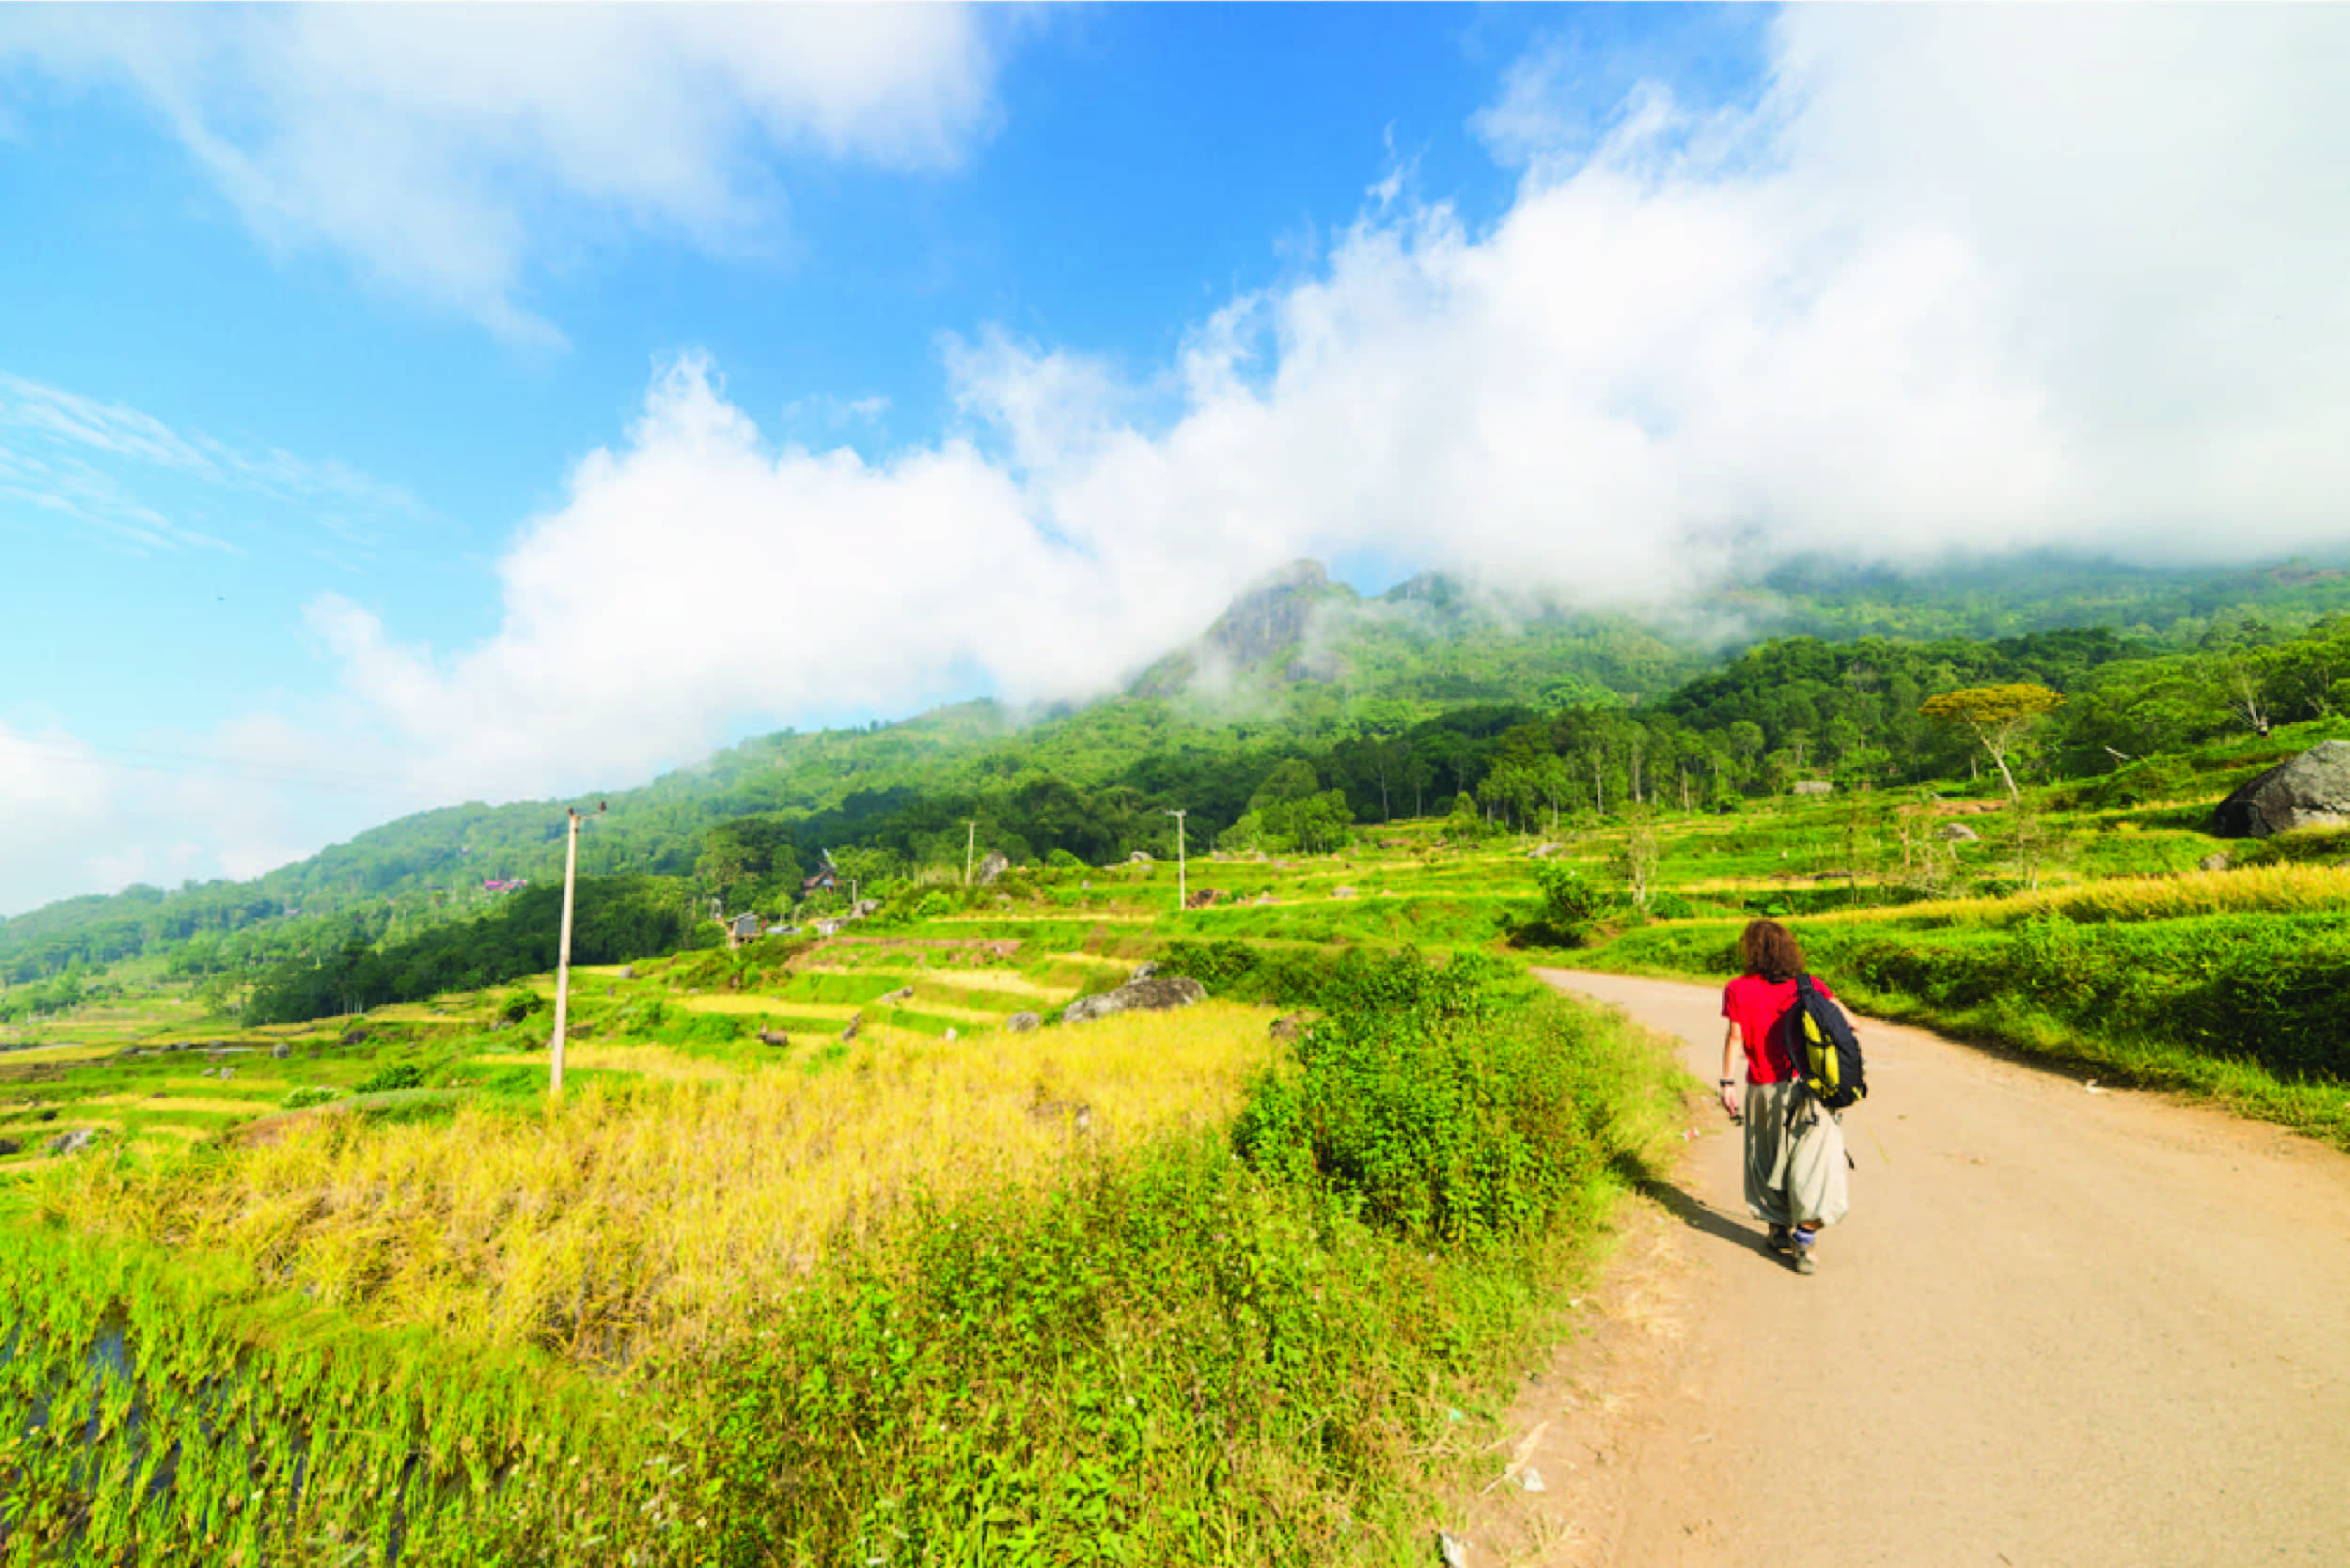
1821 1044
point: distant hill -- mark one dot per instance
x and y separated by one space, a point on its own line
1297 661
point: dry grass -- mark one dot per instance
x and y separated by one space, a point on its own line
656 1062
2257 890
180 1103
675 1207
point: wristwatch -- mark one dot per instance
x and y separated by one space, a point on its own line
1729 1083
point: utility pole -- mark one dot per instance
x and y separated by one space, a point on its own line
1182 893
563 952
970 843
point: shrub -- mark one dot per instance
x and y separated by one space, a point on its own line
1571 901
392 1075
515 1006
1434 1106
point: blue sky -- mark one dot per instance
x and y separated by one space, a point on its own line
413 405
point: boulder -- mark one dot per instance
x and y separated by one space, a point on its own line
1957 833
996 865
1155 995
2216 861
1142 972
1021 1022
1140 858
628 971
74 1141
1203 899
1542 851
280 1051
903 993
2311 790
1287 1027
1341 892
774 1037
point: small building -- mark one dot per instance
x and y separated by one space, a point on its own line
742 929
824 879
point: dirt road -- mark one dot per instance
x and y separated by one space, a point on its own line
2060 1329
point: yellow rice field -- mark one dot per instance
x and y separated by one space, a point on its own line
679 1206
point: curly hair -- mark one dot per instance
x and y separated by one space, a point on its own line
1770 949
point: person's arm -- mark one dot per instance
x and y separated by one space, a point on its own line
1730 1069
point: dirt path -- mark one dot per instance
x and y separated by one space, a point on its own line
2076 1329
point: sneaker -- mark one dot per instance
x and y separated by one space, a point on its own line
1781 1239
1803 1242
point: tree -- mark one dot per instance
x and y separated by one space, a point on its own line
1997 715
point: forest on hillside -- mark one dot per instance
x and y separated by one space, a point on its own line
1097 783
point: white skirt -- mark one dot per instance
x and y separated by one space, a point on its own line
1794 1176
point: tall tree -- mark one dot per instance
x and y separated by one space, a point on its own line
1998 715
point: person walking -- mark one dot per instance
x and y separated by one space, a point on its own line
1795 1165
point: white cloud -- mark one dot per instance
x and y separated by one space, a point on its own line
443 151
1923 299
95 462
1962 280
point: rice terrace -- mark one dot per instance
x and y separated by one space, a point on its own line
841 1244
946 786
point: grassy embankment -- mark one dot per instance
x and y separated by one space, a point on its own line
897 1298
2226 983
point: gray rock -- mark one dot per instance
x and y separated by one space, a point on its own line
996 865
863 907
2311 790
1341 892
1143 972
774 1037
74 1141
1140 858
1287 1027
1155 995
280 1051
2217 861
1956 833
1021 1022
903 993
1542 851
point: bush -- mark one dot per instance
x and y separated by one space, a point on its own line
392 1076
307 1097
1571 902
515 1006
1436 1109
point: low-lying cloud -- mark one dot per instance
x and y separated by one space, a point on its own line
1953 281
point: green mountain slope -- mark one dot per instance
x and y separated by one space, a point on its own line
1401 701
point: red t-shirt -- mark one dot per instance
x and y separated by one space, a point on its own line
1756 1006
